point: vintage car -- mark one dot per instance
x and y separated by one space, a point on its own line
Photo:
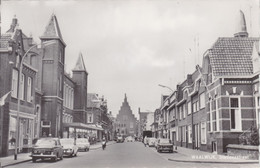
151 142
83 144
69 147
129 139
47 148
164 145
120 139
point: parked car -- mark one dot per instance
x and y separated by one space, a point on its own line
129 139
119 139
151 142
164 145
69 147
83 144
47 148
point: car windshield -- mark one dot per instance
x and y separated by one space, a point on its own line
45 142
66 141
164 141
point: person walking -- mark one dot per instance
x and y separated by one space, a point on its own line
104 143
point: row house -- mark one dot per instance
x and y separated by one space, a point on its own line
98 116
219 101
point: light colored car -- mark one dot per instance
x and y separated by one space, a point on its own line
47 148
69 147
151 142
119 139
83 144
129 139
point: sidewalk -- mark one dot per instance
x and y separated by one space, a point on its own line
24 157
196 156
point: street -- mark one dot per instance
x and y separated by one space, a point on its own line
127 154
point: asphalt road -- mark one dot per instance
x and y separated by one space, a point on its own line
123 155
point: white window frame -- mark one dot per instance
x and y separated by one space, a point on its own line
189 134
238 121
189 108
257 107
14 83
184 111
29 89
22 87
202 100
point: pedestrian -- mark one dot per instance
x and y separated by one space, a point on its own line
145 139
104 143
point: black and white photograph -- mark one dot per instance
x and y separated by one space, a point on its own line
129 83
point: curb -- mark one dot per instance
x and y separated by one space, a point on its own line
11 164
219 162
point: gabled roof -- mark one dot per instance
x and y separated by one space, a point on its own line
52 30
80 66
232 56
4 40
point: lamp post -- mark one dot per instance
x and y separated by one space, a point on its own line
165 87
18 95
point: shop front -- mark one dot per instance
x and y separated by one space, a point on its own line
80 130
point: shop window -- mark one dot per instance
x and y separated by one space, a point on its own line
190 134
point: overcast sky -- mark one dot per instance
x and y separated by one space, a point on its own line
131 46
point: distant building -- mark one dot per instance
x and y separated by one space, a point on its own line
125 120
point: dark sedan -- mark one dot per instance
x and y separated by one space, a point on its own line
47 148
164 145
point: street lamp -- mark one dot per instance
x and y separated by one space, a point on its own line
18 95
165 87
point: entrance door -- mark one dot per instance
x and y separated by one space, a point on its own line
197 137
174 138
214 147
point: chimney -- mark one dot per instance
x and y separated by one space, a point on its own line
13 25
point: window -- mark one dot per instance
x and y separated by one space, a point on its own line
29 89
90 118
235 114
189 108
184 111
203 133
14 83
131 125
195 106
189 134
184 133
22 88
202 100
180 112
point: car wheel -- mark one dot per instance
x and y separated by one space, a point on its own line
54 159
34 159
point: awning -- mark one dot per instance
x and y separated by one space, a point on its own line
82 126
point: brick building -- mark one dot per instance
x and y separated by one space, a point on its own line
219 101
125 120
52 102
